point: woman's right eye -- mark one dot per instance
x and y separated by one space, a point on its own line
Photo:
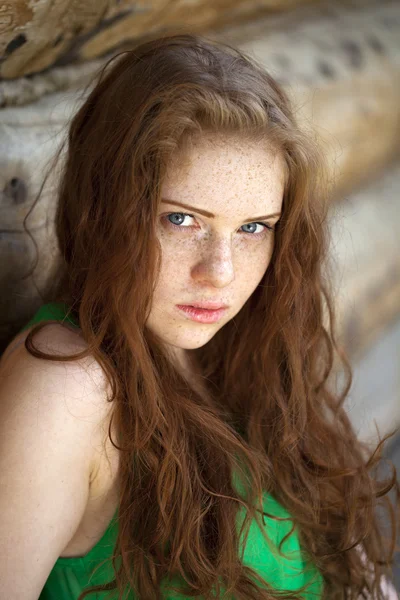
180 219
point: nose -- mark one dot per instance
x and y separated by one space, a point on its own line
215 266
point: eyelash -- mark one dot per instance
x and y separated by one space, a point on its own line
266 230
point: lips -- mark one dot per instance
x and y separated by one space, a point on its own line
207 305
202 315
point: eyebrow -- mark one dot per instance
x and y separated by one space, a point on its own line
210 215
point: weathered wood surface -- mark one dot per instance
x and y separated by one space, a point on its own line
25 148
365 256
33 36
365 225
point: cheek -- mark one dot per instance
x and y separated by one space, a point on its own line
251 266
176 263
256 253
177 252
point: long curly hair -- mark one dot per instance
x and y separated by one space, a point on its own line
271 411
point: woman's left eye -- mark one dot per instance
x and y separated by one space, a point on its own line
266 227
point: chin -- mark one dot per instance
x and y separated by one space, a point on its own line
191 343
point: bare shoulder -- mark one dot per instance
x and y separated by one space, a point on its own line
51 416
56 340
82 381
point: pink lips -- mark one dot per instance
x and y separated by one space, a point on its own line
202 315
208 304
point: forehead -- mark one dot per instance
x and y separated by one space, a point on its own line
214 169
223 150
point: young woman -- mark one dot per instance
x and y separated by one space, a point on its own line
167 422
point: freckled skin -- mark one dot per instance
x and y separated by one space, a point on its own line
216 258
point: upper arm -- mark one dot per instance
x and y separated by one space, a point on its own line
49 415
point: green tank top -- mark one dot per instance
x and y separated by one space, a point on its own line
289 570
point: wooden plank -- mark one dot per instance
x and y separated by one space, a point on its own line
365 257
32 40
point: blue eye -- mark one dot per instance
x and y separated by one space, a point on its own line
265 225
183 215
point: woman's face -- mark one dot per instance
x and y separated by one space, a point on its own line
218 258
